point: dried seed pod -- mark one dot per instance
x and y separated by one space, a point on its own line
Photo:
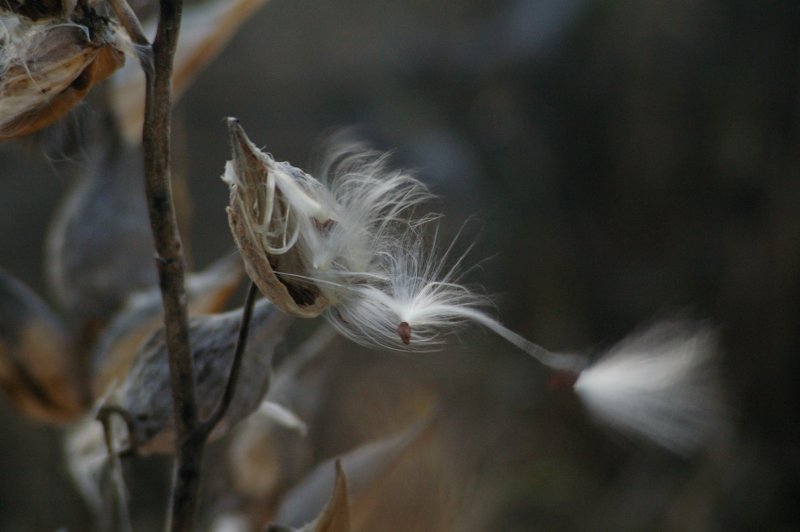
116 348
335 517
47 68
36 361
366 465
258 215
99 246
145 393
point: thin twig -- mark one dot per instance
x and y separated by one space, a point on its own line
206 426
117 474
128 19
170 263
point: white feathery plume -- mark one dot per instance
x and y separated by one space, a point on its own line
353 236
417 301
661 384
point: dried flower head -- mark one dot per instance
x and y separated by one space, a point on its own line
47 67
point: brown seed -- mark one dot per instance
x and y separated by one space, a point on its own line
404 331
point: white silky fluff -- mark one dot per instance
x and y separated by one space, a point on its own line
661 384
417 289
389 287
339 223
363 246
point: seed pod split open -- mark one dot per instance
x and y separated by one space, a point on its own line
47 68
260 218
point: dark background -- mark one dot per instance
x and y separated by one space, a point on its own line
622 161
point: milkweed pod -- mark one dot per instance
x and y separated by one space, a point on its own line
260 217
48 68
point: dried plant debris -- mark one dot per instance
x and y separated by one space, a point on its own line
117 346
37 364
145 395
269 451
366 466
142 398
99 247
335 517
260 217
206 28
47 67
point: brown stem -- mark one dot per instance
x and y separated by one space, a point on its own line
170 263
208 425
127 18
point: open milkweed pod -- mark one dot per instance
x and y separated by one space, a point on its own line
48 68
262 220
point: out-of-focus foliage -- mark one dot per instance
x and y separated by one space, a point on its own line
627 159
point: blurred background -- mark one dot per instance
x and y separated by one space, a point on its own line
619 162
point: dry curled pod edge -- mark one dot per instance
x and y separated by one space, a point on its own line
46 69
250 202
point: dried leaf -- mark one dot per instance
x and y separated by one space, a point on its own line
366 465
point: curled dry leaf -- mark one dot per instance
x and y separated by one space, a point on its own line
257 214
368 466
47 68
335 517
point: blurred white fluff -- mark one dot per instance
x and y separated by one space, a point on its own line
86 457
662 384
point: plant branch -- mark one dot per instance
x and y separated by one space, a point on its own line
205 428
128 19
170 262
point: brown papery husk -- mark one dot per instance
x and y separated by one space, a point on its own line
66 67
245 215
